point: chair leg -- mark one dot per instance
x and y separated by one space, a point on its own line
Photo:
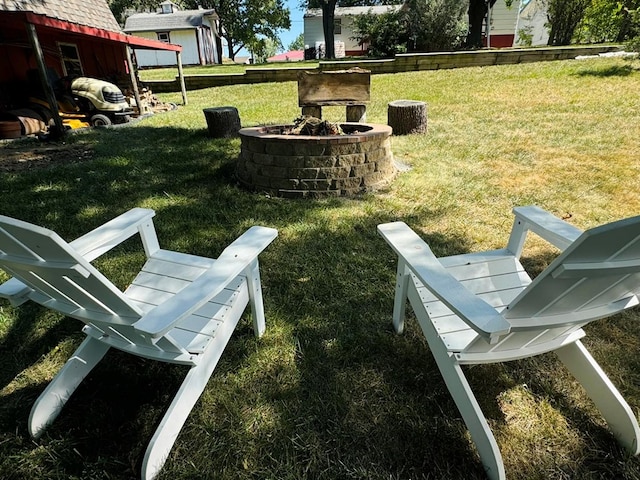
255 297
184 401
50 402
615 410
461 392
403 277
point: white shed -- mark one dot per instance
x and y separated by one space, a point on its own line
194 30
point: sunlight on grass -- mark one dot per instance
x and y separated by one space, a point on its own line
330 391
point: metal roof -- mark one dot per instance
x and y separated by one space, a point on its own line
179 20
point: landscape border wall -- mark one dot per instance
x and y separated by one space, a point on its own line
400 63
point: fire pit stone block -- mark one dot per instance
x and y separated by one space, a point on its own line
297 166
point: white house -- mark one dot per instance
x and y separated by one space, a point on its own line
195 30
509 26
531 28
343 28
503 21
522 24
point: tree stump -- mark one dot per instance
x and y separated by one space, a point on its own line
407 116
222 121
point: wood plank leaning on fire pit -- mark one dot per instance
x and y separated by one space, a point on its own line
351 88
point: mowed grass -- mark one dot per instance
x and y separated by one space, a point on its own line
330 391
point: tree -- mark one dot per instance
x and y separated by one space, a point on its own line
118 7
478 10
297 44
328 16
243 23
424 26
564 17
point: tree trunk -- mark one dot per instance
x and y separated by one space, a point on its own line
407 116
328 16
477 13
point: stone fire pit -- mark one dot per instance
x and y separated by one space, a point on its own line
315 166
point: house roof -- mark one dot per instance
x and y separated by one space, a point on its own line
92 13
353 11
291 56
179 20
84 17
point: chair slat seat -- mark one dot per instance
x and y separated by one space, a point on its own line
483 308
179 308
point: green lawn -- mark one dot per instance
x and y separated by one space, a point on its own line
330 391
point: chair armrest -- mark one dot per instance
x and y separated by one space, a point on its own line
231 263
544 224
102 239
419 258
90 245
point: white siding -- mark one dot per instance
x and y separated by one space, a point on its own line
156 58
313 33
503 18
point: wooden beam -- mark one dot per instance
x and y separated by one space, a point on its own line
134 80
44 80
183 88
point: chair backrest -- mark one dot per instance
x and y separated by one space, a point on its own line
61 279
596 276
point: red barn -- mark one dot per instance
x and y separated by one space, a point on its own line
44 38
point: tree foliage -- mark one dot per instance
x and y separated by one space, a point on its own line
297 44
424 26
243 23
564 17
328 16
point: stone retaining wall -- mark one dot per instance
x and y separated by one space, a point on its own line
297 166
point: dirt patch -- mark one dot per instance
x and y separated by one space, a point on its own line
22 156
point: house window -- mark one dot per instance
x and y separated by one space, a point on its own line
71 64
164 37
337 26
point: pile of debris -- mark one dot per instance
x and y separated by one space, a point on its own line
308 125
150 102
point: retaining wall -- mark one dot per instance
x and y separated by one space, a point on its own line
400 63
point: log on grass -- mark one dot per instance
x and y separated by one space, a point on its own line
222 121
407 116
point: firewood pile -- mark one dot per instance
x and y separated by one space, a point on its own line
149 102
308 125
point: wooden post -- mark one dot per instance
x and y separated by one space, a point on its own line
44 80
407 116
312 111
134 80
222 121
183 88
356 113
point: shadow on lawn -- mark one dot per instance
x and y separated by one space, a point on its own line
612 71
356 401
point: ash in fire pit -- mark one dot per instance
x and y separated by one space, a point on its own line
357 159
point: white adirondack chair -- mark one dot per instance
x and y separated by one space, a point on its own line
484 308
180 308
